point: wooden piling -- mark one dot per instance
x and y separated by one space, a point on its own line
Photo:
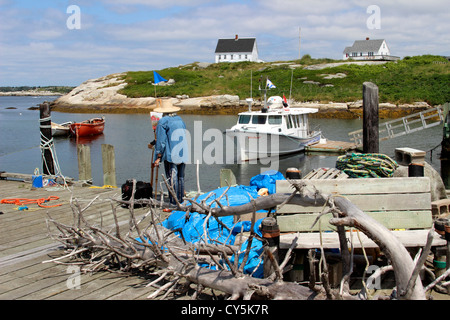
84 162
370 118
271 233
46 138
109 165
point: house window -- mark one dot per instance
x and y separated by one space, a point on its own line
239 57
370 54
246 57
231 57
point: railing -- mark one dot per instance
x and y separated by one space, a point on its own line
402 126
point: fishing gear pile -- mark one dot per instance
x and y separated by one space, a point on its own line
366 165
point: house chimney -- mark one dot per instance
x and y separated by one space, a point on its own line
236 38
367 38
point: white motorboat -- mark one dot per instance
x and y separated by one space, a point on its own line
273 131
61 129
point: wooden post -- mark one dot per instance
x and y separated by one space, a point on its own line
227 177
84 162
270 232
109 165
370 118
46 138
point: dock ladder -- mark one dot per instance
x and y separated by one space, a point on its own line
405 125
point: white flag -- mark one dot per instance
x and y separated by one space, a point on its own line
269 84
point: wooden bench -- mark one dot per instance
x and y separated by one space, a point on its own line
401 204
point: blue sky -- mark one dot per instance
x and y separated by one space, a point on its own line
37 47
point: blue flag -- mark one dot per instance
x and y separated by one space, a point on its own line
269 84
157 78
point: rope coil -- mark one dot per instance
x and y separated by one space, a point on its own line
24 201
366 165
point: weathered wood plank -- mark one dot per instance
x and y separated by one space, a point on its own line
391 220
377 202
330 240
362 186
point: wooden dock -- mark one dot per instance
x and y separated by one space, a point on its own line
25 244
330 146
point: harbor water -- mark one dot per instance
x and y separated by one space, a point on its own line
131 133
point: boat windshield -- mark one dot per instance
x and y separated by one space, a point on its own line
244 118
274 119
259 119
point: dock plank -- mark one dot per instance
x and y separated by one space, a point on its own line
25 243
331 146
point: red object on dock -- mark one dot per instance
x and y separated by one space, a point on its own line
89 127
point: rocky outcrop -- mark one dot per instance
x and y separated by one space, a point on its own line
102 95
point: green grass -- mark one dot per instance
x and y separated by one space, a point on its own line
420 78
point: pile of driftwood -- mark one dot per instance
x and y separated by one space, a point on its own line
175 262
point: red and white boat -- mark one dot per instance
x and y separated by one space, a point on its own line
89 127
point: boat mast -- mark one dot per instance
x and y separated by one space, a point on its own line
290 90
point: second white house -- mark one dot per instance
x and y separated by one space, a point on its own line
369 50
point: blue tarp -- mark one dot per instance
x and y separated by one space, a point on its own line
192 225
267 180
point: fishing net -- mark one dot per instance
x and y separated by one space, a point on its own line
366 165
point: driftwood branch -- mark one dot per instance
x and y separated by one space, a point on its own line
153 246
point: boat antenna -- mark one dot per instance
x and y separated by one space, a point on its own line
250 100
290 91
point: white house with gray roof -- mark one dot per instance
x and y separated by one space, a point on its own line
369 50
236 50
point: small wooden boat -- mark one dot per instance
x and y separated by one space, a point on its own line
61 129
89 127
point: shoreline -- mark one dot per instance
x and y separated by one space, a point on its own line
30 93
349 110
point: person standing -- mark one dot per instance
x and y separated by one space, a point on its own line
171 147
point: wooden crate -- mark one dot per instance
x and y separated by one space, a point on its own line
397 203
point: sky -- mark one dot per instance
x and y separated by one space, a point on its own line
61 42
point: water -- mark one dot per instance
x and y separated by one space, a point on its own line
130 134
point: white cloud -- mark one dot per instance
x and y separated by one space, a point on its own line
36 42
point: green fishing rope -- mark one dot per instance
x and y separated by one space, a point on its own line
366 165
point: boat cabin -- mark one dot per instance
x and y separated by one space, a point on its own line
289 122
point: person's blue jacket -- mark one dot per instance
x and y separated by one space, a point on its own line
171 140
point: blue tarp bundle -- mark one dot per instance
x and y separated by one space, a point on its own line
192 226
